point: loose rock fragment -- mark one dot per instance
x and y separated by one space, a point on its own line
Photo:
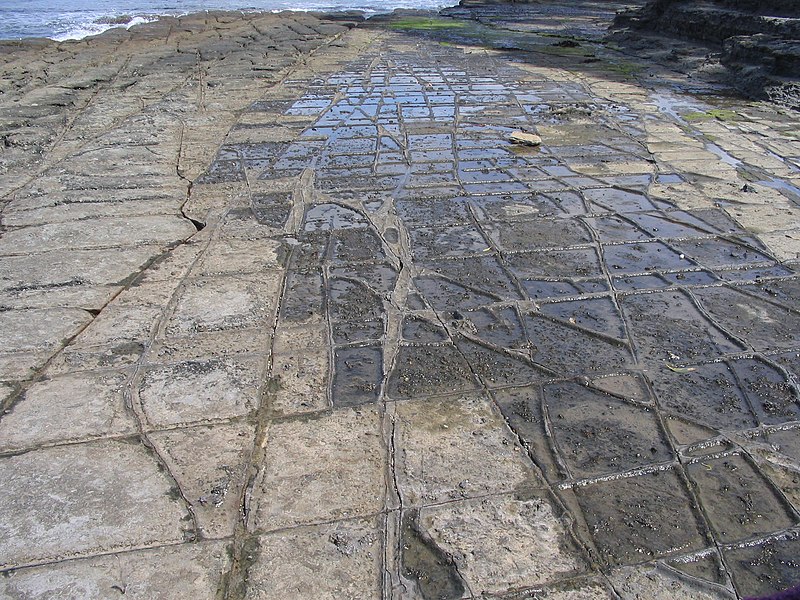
524 138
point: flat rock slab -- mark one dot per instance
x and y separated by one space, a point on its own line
71 408
455 448
306 459
210 464
335 560
97 233
523 138
31 330
501 542
220 303
86 499
192 573
200 390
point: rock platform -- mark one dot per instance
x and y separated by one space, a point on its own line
284 313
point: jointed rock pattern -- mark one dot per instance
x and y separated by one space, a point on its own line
403 357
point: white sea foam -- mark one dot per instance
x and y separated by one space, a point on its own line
82 31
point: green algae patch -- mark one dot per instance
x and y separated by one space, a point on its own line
716 113
426 24
625 68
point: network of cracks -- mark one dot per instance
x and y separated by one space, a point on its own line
641 354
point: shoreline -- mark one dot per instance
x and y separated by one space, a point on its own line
139 20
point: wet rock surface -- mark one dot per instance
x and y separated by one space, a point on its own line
318 327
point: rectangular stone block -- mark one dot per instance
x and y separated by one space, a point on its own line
86 499
320 469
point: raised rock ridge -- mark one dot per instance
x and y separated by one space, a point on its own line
760 41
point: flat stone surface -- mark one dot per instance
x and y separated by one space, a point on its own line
337 560
453 449
300 370
200 390
501 542
56 503
306 459
68 409
30 330
210 464
96 233
194 571
220 303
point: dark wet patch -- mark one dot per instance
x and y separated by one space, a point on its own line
427 370
353 245
497 367
598 434
522 410
555 264
443 211
772 397
528 206
637 283
302 297
765 568
538 234
348 332
500 326
543 290
738 501
358 375
672 224
667 326
761 324
391 235
415 301
222 171
636 518
616 200
272 209
786 441
686 432
483 274
419 329
709 394
446 295
327 217
436 242
350 300
423 561
754 273
785 291
256 156
717 220
567 350
644 257
690 278
629 386
379 277
308 252
717 253
705 566
611 228
599 315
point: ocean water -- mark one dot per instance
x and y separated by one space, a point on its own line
75 19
